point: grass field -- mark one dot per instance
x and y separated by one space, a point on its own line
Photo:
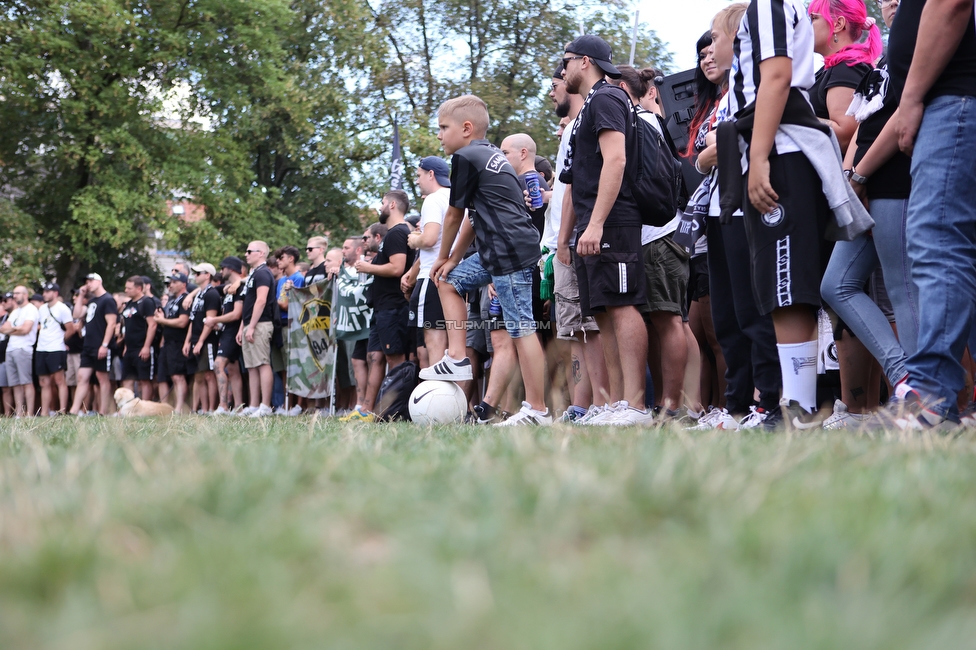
288 533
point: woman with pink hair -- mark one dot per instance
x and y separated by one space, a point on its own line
850 44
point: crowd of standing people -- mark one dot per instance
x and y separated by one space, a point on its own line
820 273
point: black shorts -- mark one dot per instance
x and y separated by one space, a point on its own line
388 331
228 347
89 359
425 307
171 361
615 277
787 247
360 350
48 363
203 362
133 367
698 281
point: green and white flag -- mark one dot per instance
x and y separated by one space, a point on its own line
311 340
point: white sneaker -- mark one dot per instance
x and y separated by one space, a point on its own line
221 411
607 414
591 413
628 417
448 369
261 411
715 419
295 410
527 416
841 418
754 420
247 411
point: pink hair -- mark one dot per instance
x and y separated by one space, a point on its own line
858 22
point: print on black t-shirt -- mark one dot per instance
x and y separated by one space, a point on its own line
98 309
484 183
386 291
206 300
174 309
260 277
135 322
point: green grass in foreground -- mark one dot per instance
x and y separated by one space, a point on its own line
202 533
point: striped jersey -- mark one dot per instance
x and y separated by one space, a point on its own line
771 28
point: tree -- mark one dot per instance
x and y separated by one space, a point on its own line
112 107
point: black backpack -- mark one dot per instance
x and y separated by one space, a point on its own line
654 173
393 399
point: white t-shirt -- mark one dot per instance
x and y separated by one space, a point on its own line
50 337
18 317
433 211
554 215
653 233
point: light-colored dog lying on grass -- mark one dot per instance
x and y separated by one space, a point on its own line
130 405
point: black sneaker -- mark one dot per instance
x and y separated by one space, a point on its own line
797 417
486 413
448 369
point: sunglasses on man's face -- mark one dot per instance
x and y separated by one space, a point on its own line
309 249
249 251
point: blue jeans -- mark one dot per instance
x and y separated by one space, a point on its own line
850 266
514 292
942 246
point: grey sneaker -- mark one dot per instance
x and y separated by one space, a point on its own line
842 418
797 417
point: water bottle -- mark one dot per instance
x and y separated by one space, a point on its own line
495 308
534 188
363 276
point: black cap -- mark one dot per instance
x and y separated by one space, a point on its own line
37 298
146 280
9 295
233 263
596 49
558 74
51 286
178 277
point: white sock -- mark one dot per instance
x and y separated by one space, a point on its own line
798 362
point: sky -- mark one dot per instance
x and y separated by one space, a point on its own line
679 23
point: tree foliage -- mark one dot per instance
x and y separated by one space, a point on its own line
276 115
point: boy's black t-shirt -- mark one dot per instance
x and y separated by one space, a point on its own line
206 300
484 183
386 291
135 322
838 76
98 309
959 76
174 309
260 277
608 109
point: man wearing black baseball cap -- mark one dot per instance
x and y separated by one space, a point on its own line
607 222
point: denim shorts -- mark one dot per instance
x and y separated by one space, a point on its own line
514 292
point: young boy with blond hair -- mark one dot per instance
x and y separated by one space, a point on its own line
485 184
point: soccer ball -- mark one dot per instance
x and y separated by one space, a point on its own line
437 402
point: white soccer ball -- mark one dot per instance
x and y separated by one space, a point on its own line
438 402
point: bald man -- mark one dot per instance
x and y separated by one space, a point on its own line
256 329
519 149
20 327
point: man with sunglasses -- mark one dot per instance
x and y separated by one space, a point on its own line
315 250
256 329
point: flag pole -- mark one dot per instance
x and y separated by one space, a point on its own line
633 38
335 343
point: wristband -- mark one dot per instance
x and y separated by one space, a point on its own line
857 178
